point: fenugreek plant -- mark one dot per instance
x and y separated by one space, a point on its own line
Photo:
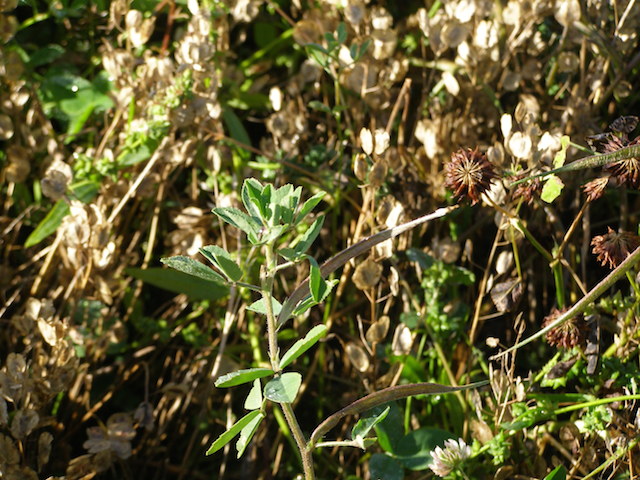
271 215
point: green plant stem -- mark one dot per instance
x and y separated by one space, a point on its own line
267 293
614 458
634 284
305 454
274 357
559 283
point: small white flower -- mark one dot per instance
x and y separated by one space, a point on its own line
445 460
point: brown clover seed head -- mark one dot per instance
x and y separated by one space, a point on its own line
595 188
569 334
528 190
469 174
614 247
626 170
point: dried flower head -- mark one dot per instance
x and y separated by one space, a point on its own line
528 190
469 173
614 247
447 459
569 334
625 170
595 188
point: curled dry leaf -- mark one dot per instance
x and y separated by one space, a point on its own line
9 454
4 413
44 449
378 174
23 423
507 294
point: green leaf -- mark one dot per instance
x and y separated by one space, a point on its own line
260 306
353 51
363 48
561 156
235 127
283 389
221 259
252 198
390 430
254 399
246 434
85 191
45 55
242 376
319 106
413 450
302 345
73 98
383 467
240 220
49 223
316 282
235 429
308 237
342 32
304 305
309 205
551 189
558 473
132 155
364 425
177 282
192 267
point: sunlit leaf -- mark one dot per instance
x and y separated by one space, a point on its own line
254 399
242 376
192 267
235 429
364 425
283 389
246 434
552 189
260 306
177 282
221 259
302 345
49 223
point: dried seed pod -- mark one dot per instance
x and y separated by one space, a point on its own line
367 274
358 357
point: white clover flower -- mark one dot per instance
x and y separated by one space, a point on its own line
445 460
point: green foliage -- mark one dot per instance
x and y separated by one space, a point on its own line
558 473
73 99
283 388
302 345
440 285
499 448
197 288
49 223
